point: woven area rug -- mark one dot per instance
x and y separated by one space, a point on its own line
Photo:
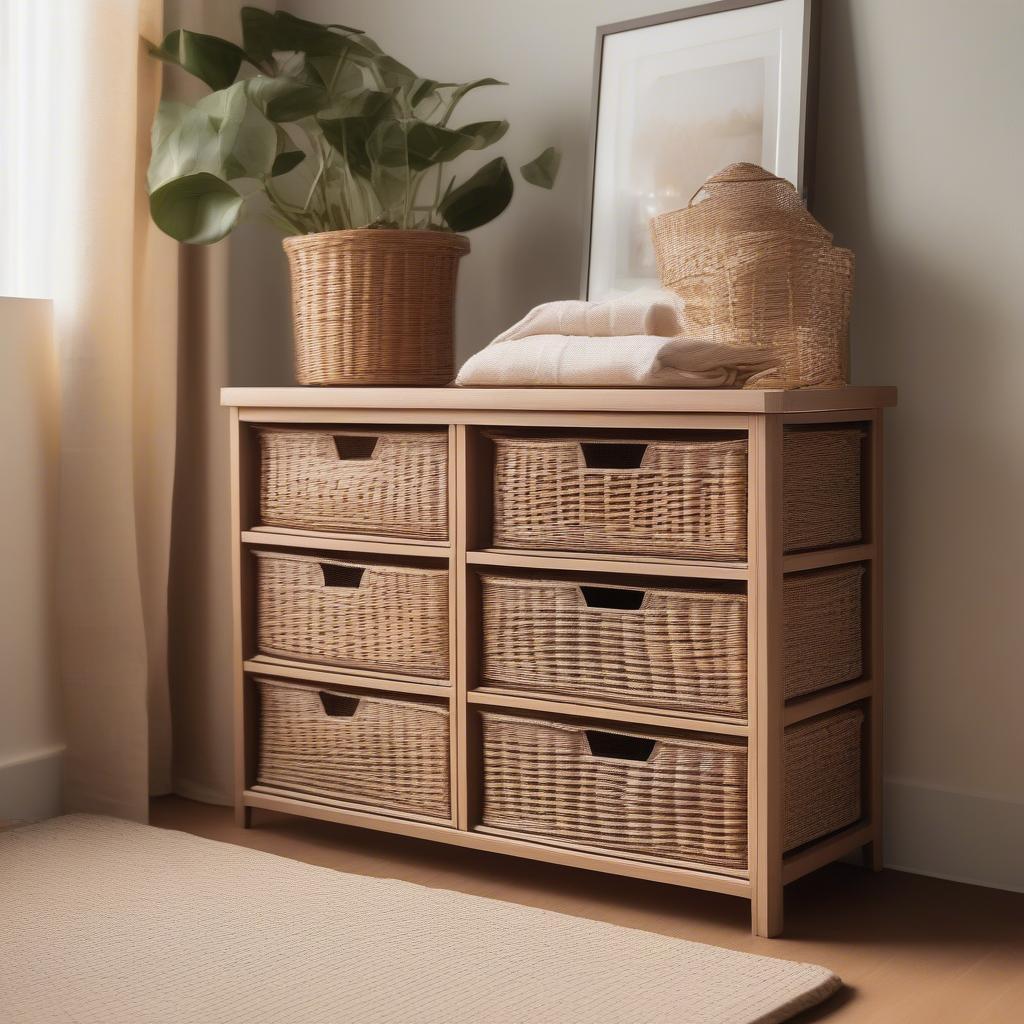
107 922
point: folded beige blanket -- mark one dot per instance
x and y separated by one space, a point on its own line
633 341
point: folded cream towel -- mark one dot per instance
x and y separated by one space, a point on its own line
631 361
649 311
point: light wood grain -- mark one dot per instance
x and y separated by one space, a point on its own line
519 559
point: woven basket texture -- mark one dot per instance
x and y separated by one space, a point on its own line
753 267
681 649
687 498
821 488
823 776
687 802
387 753
308 482
822 627
374 306
388 618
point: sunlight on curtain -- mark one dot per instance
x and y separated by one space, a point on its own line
30 53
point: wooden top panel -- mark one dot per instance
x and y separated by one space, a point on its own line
640 400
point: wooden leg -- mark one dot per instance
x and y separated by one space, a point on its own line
243 816
871 856
766 917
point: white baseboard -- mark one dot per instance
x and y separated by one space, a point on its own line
30 787
964 837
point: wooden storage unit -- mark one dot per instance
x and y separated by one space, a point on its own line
738 568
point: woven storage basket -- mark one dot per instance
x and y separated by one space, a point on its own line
822 623
679 649
686 498
355 749
823 776
686 802
821 487
753 267
389 618
388 483
373 306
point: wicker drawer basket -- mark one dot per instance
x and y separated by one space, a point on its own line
667 798
823 775
821 488
822 629
389 483
389 618
679 649
685 498
391 754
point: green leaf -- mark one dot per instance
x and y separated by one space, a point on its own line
484 133
543 170
285 161
198 209
349 135
285 99
214 60
258 33
461 91
184 141
480 198
365 103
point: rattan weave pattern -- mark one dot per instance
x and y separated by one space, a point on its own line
390 753
822 629
687 498
821 479
822 759
687 802
681 649
394 619
753 267
400 490
374 306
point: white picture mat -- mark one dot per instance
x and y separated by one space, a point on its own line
775 33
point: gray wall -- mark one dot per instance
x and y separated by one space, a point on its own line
919 152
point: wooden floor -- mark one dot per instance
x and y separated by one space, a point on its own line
911 950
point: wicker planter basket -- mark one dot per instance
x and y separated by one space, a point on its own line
821 485
753 267
391 754
679 649
374 306
662 797
822 759
822 629
685 498
386 483
669 798
386 618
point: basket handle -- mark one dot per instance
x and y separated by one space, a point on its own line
618 599
357 448
618 747
338 705
614 455
348 577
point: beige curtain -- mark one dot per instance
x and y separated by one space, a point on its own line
116 333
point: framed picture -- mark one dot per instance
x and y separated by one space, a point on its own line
678 96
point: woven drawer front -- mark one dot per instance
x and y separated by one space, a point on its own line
822 628
351 481
356 749
823 775
679 649
821 488
682 498
384 617
686 802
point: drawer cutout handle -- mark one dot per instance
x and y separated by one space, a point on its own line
354 449
346 576
624 600
613 456
619 747
337 705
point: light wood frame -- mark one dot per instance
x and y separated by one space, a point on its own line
763 416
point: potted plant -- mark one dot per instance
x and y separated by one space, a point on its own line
347 151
